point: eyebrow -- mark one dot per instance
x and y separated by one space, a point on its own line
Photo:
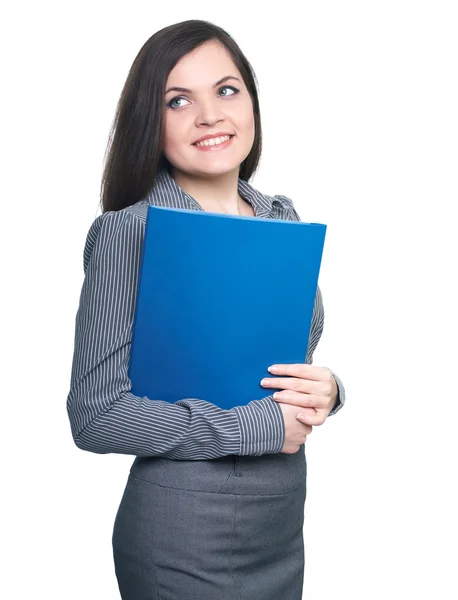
180 89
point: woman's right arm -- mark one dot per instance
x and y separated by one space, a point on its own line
104 416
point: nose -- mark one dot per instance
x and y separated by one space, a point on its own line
209 112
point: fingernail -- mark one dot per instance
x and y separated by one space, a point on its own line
273 369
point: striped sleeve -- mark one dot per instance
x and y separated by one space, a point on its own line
316 328
105 417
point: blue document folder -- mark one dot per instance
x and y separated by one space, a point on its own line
220 298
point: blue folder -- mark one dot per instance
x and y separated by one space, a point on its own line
220 298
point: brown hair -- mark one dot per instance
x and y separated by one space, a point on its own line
134 151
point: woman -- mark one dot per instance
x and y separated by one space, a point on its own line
214 503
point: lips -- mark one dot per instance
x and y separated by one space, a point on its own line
212 136
214 147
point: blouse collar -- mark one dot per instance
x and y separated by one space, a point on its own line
166 187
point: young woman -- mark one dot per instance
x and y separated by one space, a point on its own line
214 503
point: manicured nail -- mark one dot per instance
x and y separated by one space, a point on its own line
265 382
273 369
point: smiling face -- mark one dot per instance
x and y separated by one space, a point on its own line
216 101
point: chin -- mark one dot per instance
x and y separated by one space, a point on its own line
210 170
221 169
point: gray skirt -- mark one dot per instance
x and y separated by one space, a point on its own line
230 528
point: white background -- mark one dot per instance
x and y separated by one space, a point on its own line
359 105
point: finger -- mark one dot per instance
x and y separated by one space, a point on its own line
318 419
302 400
287 383
301 370
308 411
295 384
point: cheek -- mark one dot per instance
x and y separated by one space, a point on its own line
170 135
168 138
247 121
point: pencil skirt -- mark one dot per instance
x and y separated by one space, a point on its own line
229 528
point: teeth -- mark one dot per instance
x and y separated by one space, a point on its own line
214 141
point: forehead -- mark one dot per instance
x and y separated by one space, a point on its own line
202 67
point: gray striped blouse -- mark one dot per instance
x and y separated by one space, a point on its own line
104 415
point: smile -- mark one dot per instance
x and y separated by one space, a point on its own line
214 143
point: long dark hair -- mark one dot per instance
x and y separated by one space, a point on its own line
134 150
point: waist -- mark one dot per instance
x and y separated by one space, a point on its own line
268 474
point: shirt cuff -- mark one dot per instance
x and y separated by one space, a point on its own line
340 400
262 427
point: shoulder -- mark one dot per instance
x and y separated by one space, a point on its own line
114 225
287 206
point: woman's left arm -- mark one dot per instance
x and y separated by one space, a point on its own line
325 390
317 390
316 330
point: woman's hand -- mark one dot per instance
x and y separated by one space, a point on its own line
296 431
313 389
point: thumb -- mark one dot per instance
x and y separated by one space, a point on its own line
306 413
305 418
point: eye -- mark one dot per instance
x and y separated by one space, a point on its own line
171 105
225 87
229 87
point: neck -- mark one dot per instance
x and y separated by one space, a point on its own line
212 192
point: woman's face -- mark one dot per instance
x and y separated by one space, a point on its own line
208 107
